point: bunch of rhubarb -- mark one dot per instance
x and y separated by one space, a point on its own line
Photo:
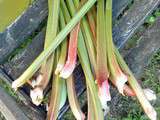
80 31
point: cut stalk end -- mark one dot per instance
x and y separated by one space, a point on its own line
128 91
120 82
152 114
33 83
37 81
58 69
67 70
104 94
16 84
150 95
36 95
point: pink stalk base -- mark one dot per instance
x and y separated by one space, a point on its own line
72 54
36 95
120 82
119 76
150 95
128 91
104 93
68 69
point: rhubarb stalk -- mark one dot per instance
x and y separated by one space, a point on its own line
149 110
84 60
72 53
56 93
73 7
62 59
46 68
51 48
127 90
92 23
102 69
73 101
116 73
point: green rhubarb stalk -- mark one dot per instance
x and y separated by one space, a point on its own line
73 101
64 45
90 115
63 89
63 94
102 68
55 99
91 17
127 90
149 110
92 25
89 39
51 32
116 74
84 60
56 94
51 48
46 68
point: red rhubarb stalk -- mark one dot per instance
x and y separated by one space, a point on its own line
72 53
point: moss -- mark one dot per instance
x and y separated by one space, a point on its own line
152 18
9 90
